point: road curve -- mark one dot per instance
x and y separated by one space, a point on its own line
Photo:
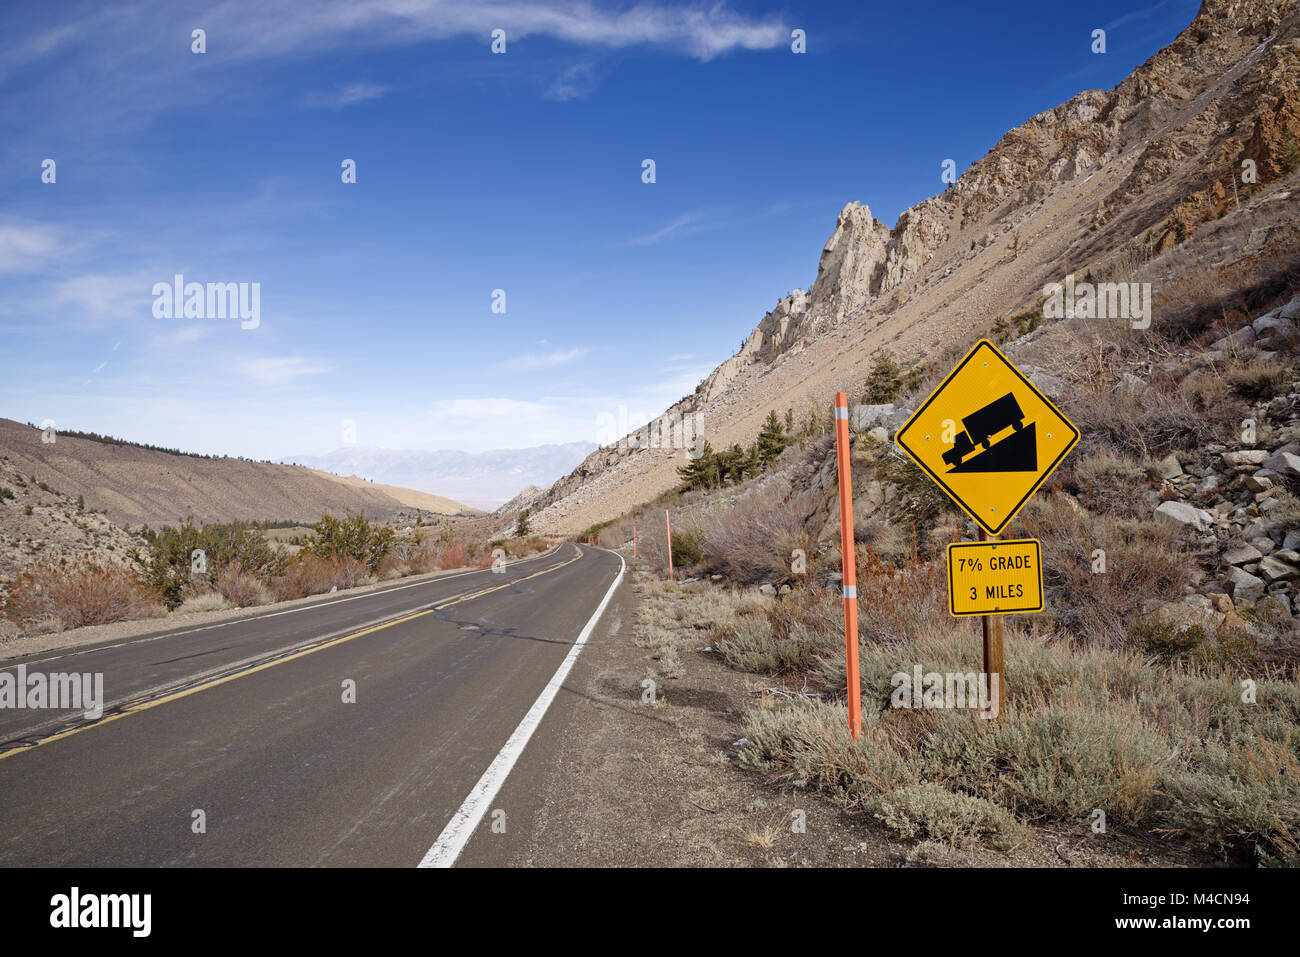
233 745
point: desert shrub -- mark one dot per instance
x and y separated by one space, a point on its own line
307 574
241 588
753 538
1144 561
929 810
612 536
167 568
78 593
897 601
392 566
1230 293
812 742
1113 484
1157 419
791 635
687 550
353 537
201 602
1259 381
920 502
453 556
1240 796
1209 649
1172 751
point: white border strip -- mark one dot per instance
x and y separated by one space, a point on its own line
461 827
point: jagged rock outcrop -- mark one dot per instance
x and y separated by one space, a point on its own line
1104 178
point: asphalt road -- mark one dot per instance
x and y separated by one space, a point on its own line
243 727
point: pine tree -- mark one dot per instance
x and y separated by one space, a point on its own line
884 381
701 471
523 528
772 440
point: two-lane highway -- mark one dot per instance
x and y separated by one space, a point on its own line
241 745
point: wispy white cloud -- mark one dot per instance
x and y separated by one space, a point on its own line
105 296
699 31
277 370
685 221
25 246
1134 15
573 83
544 360
347 95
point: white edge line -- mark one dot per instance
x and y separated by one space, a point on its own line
463 823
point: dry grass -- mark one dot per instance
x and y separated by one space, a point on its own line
202 602
1161 749
240 588
753 538
1145 561
1157 749
78 593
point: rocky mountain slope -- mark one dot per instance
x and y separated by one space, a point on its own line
1098 185
136 486
39 523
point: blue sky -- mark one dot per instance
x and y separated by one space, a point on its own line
476 171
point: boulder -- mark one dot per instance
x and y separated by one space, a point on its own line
1245 457
1180 513
1047 382
1274 570
1291 310
1241 339
1285 463
866 417
1243 586
1272 324
1242 554
1257 482
1169 467
1188 611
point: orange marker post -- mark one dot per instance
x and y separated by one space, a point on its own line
668 524
848 563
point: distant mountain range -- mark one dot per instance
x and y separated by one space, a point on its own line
484 480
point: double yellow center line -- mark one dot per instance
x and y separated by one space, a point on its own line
211 681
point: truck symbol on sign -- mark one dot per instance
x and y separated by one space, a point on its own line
982 425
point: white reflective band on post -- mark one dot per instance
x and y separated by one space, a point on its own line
841 412
850 591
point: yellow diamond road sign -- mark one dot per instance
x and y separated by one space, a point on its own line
987 436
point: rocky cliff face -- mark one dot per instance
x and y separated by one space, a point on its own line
1107 175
